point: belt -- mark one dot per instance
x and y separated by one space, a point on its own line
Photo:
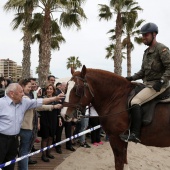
8 136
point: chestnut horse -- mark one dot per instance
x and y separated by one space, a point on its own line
108 93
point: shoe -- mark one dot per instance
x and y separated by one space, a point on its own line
50 156
58 150
44 158
37 140
100 143
85 145
70 148
95 144
31 162
102 135
130 138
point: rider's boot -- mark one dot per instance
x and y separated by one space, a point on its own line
136 119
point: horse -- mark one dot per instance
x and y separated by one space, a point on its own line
108 93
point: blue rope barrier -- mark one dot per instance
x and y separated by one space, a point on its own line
49 147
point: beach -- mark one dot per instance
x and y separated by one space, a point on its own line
100 157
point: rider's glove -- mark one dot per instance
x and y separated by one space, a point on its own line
129 78
158 85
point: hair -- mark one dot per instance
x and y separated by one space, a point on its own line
58 84
12 87
50 77
1 79
33 79
24 82
54 90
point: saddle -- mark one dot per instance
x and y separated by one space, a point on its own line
149 107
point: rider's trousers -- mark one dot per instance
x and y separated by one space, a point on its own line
146 95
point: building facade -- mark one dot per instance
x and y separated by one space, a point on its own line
10 69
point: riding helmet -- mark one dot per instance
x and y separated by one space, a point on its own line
149 27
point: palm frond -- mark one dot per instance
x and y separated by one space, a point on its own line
104 12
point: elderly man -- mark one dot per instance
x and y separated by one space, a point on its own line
12 109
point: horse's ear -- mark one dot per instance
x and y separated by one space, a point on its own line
83 71
72 70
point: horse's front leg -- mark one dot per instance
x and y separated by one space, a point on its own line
120 152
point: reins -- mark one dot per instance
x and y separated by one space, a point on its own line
117 112
78 106
67 104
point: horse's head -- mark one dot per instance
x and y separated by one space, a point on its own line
78 95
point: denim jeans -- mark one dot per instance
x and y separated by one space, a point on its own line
84 124
24 149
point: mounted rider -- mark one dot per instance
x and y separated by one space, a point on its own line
155 73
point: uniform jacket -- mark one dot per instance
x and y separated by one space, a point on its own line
155 65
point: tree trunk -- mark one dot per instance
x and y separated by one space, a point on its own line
26 63
129 47
118 46
45 50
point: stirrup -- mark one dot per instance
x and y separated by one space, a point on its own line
136 139
122 137
130 137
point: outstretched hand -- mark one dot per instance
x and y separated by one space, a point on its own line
60 97
58 106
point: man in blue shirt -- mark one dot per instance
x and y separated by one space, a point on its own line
12 109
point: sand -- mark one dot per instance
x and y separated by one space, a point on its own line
100 157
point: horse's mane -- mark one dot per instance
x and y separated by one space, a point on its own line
112 77
105 77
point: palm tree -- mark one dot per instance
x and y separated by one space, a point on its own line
106 12
73 62
71 14
56 35
131 30
110 52
24 14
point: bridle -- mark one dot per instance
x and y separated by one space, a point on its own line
80 91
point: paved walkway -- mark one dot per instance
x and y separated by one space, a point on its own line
59 158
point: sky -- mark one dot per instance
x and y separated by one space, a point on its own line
89 43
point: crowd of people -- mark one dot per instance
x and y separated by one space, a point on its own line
34 111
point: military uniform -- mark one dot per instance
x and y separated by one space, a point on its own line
155 67
155 72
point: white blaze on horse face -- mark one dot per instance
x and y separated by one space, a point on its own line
69 87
